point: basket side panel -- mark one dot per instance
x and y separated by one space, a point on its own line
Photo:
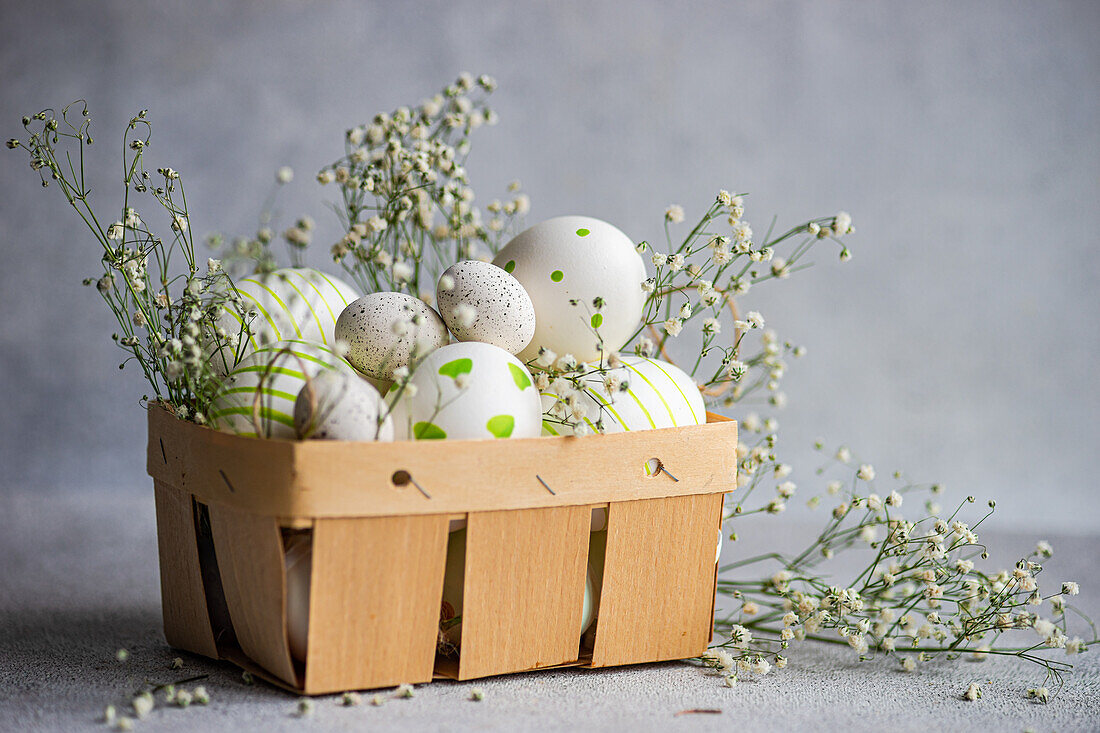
186 617
660 557
523 594
374 601
252 564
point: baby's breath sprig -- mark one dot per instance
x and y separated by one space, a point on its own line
920 596
698 278
167 315
250 255
406 201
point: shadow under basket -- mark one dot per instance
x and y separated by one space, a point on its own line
379 515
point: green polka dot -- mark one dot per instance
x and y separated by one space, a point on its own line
454 368
557 276
511 266
597 320
519 376
428 431
501 426
583 232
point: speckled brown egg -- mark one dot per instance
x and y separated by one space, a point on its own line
481 302
385 331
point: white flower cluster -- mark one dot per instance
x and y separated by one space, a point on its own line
922 596
406 192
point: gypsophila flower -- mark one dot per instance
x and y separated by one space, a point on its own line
674 214
404 691
973 692
673 326
477 694
142 704
866 472
1070 588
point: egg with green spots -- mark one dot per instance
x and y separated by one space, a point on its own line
564 264
291 303
480 301
656 395
467 391
273 376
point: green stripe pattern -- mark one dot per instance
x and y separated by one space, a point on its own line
284 368
660 395
295 303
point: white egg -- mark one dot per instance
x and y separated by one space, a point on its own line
341 406
299 574
284 367
386 331
658 395
467 391
481 302
292 303
577 258
454 578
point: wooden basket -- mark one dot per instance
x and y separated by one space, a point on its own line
379 515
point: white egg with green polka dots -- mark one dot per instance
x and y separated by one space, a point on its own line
658 395
467 391
564 264
275 374
292 303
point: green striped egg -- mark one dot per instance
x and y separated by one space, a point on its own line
659 395
292 303
287 366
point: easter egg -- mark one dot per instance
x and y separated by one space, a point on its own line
454 578
341 406
386 331
299 572
292 303
658 395
276 373
466 391
481 302
577 258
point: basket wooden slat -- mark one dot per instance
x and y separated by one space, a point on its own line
523 592
660 557
183 600
374 601
251 561
378 515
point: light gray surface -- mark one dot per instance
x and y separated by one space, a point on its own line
964 138
80 581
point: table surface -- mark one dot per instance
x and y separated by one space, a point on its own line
79 580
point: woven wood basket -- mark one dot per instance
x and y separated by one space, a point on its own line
379 515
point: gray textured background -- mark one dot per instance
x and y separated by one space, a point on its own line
964 138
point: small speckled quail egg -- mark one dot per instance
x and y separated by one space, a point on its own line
386 331
468 391
481 302
341 406
577 259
